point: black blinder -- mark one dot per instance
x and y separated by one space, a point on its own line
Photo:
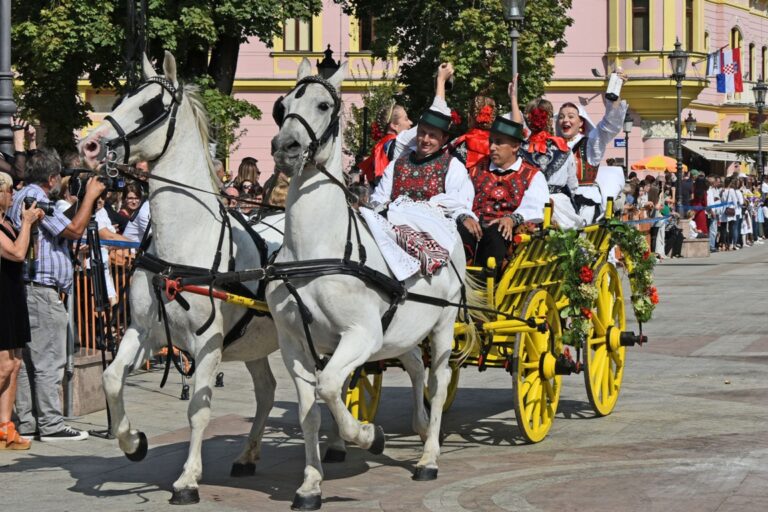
278 111
152 109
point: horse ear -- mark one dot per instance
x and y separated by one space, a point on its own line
169 67
146 67
338 76
305 68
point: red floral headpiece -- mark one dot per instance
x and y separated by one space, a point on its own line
485 115
376 133
455 118
538 120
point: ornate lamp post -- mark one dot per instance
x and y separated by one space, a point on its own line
514 14
327 67
678 59
760 89
7 105
690 124
627 130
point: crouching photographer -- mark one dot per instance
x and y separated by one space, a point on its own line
48 272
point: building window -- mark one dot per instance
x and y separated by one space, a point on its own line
641 25
735 38
751 75
297 35
763 58
689 25
367 32
706 42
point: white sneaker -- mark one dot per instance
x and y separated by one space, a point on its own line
67 433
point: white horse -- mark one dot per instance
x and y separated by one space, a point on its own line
186 225
346 312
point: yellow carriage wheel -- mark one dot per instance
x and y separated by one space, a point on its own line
363 399
604 358
536 387
453 387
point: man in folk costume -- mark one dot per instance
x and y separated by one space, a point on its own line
472 147
508 192
425 188
391 120
588 142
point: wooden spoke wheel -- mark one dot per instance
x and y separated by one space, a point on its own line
363 399
536 387
604 357
453 387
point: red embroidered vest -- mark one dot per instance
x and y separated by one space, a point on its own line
585 172
420 180
499 194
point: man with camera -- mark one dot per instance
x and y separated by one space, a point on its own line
48 273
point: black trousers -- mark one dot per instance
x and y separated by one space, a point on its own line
674 241
492 244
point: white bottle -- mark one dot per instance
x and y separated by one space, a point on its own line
614 87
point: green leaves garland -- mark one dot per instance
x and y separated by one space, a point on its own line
575 257
634 247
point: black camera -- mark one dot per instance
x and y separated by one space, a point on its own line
79 178
47 208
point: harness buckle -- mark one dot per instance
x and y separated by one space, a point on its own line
172 288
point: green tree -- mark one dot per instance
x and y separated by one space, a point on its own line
55 43
473 35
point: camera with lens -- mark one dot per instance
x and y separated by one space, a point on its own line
47 208
79 178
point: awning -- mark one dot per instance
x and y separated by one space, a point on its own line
707 151
746 145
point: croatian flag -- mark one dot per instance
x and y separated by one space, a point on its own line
729 78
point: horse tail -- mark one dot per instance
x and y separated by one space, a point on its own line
475 298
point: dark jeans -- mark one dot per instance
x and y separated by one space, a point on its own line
492 244
674 241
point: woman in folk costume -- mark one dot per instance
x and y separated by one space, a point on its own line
551 154
588 142
391 120
473 146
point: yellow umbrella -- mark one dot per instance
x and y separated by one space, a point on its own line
658 163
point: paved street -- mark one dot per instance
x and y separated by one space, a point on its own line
690 431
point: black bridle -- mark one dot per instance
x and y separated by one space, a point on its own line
154 112
278 113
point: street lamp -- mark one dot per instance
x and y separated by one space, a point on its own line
627 130
678 59
514 13
327 67
690 124
7 105
759 89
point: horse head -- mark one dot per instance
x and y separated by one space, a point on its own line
308 117
142 122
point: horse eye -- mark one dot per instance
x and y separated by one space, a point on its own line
324 106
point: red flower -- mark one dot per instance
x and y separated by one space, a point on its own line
517 239
587 313
455 118
654 299
376 132
485 115
646 255
538 120
586 275
652 290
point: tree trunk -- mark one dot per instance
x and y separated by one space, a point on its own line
224 62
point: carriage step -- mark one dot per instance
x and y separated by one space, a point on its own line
630 339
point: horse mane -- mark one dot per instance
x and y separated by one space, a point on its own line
203 126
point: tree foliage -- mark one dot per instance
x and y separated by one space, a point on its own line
473 35
57 42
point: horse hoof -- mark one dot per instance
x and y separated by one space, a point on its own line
312 502
240 469
185 497
141 451
333 455
377 447
422 474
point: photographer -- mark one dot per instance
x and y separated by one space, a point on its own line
48 273
14 317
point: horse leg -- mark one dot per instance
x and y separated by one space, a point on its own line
414 365
439 377
185 488
131 352
349 354
337 447
302 371
264 385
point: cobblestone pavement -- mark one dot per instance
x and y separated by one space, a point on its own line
690 431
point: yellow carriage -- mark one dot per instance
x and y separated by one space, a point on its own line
525 335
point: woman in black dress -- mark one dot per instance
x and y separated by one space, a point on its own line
14 318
